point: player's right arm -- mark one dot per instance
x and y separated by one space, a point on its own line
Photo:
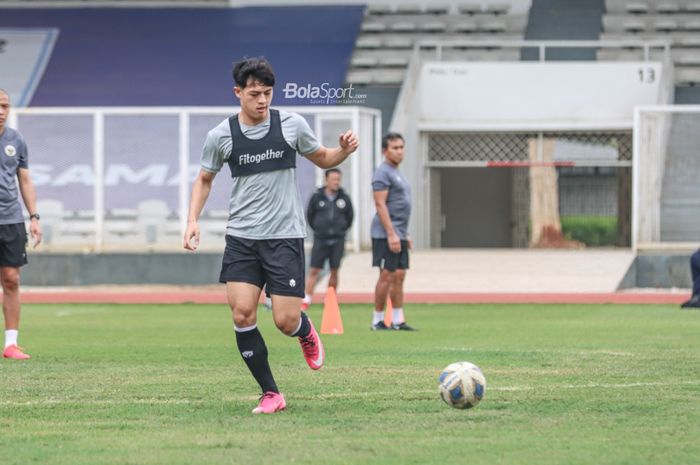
383 213
200 192
217 143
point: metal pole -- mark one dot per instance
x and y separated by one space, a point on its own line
636 136
184 152
99 187
355 181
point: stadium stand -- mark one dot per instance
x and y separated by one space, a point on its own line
570 20
676 21
388 33
62 226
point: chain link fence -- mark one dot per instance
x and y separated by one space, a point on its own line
593 173
592 148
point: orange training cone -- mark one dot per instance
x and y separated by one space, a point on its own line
331 323
388 312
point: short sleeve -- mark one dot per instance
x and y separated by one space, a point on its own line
22 155
213 157
381 181
307 143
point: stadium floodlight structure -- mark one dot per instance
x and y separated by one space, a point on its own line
666 178
119 177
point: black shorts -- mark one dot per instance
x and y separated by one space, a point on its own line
331 250
276 263
13 245
385 259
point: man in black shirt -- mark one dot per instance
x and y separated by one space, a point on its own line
330 215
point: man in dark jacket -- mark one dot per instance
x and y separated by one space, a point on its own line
330 215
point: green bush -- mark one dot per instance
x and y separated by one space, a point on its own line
594 231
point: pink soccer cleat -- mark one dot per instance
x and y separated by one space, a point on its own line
305 306
270 402
15 352
312 347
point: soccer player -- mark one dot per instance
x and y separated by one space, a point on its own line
13 235
389 231
266 227
694 301
330 215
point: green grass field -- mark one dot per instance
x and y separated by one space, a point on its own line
567 384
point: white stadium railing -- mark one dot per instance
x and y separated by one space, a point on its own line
115 177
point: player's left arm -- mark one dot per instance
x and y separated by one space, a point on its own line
26 187
326 157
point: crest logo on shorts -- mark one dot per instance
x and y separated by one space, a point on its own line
10 150
292 282
247 353
340 203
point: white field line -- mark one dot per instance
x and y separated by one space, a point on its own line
615 353
348 395
63 312
595 386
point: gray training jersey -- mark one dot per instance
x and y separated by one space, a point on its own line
398 201
265 205
13 151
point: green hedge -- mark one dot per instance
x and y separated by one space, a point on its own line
594 231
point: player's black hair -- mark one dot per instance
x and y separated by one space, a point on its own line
332 170
257 68
388 137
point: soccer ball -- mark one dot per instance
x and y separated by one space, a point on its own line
462 385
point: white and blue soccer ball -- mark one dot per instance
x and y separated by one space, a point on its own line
462 385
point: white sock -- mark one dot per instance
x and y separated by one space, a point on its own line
307 299
245 329
296 331
10 337
397 316
378 316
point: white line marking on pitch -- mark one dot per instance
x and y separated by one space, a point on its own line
10 403
594 385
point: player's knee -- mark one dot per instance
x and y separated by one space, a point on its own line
287 323
10 282
243 318
314 272
386 276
